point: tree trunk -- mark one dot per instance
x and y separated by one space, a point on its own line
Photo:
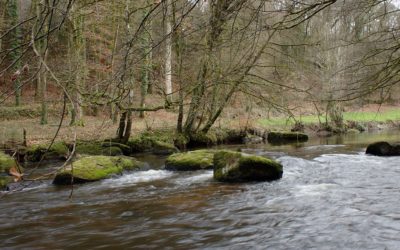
41 81
168 53
15 44
146 65
178 48
78 54
128 128
3 9
121 127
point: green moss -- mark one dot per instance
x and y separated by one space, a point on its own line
231 166
158 142
57 150
112 151
202 139
284 137
126 150
4 181
6 162
193 160
89 148
353 131
164 148
93 168
140 144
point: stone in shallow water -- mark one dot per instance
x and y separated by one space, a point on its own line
383 149
189 161
94 168
286 137
230 166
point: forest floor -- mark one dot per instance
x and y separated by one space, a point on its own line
12 123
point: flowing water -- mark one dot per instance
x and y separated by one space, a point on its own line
331 196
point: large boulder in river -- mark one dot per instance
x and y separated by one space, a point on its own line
286 137
231 166
383 149
193 160
94 168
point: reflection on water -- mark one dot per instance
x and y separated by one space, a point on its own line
331 196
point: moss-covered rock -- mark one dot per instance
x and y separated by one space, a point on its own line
126 150
383 149
58 150
156 143
231 166
5 181
164 148
112 151
89 148
193 160
202 140
94 168
286 137
252 139
139 145
352 131
6 163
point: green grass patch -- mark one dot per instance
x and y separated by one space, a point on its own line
391 115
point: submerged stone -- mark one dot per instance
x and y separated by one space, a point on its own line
94 168
286 137
193 160
231 166
383 149
252 139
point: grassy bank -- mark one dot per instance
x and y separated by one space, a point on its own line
360 116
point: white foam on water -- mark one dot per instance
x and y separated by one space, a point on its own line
199 178
313 189
323 147
138 177
359 159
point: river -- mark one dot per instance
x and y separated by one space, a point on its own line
331 196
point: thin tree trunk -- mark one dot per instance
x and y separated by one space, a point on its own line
41 83
146 64
3 9
177 39
78 52
43 98
168 53
16 51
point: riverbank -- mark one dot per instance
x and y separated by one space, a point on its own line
371 118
